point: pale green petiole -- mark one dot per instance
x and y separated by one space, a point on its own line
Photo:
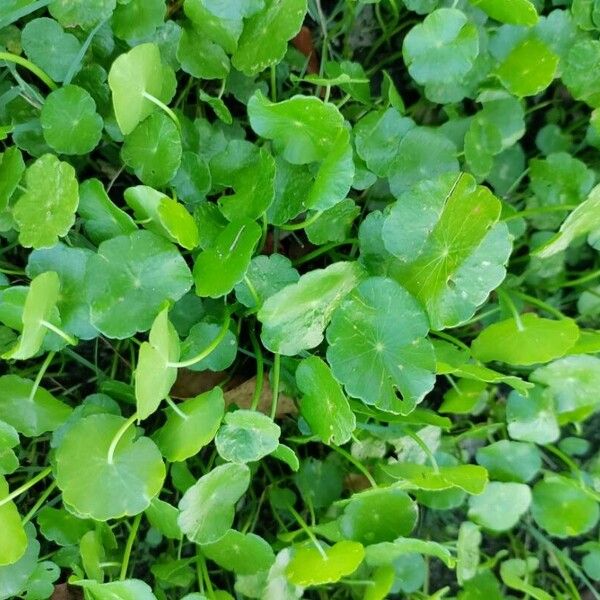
23 62
164 108
120 433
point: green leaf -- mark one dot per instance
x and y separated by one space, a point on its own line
323 404
454 253
201 56
137 19
514 12
309 567
532 418
583 220
378 516
387 553
515 574
48 46
40 303
14 543
12 168
130 278
526 341
46 211
557 180
265 35
14 577
265 276
421 151
470 478
580 74
133 76
247 436
127 589
529 68
31 411
153 150
70 122
219 268
242 553
377 345
163 215
102 219
250 172
562 508
441 49
192 181
9 438
295 317
102 487
191 427
61 527
202 335
304 128
572 382
70 265
85 13
154 375
208 507
334 224
500 506
163 517
467 551
510 461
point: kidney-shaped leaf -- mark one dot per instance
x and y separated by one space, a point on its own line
377 345
265 35
294 318
134 74
219 268
304 128
324 405
98 485
127 589
454 252
500 506
513 12
30 412
310 567
14 538
247 436
470 478
208 507
191 427
526 341
130 278
242 553
46 211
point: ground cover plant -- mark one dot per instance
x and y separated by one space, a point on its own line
299 299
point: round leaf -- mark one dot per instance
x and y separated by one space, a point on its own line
247 436
85 13
191 427
208 507
130 278
528 341
377 345
510 461
379 516
70 122
100 489
532 418
563 509
46 211
500 506
199 337
14 542
455 251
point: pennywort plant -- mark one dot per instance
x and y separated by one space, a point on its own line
299 299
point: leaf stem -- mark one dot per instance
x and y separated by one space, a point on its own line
425 448
304 526
541 210
504 297
540 304
164 108
203 571
580 280
206 351
40 501
129 546
40 375
59 332
260 374
117 438
23 62
28 484
356 463
176 409
275 383
322 250
302 224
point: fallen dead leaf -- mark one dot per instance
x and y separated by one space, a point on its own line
242 396
64 591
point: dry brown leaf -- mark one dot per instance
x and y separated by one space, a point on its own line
242 396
